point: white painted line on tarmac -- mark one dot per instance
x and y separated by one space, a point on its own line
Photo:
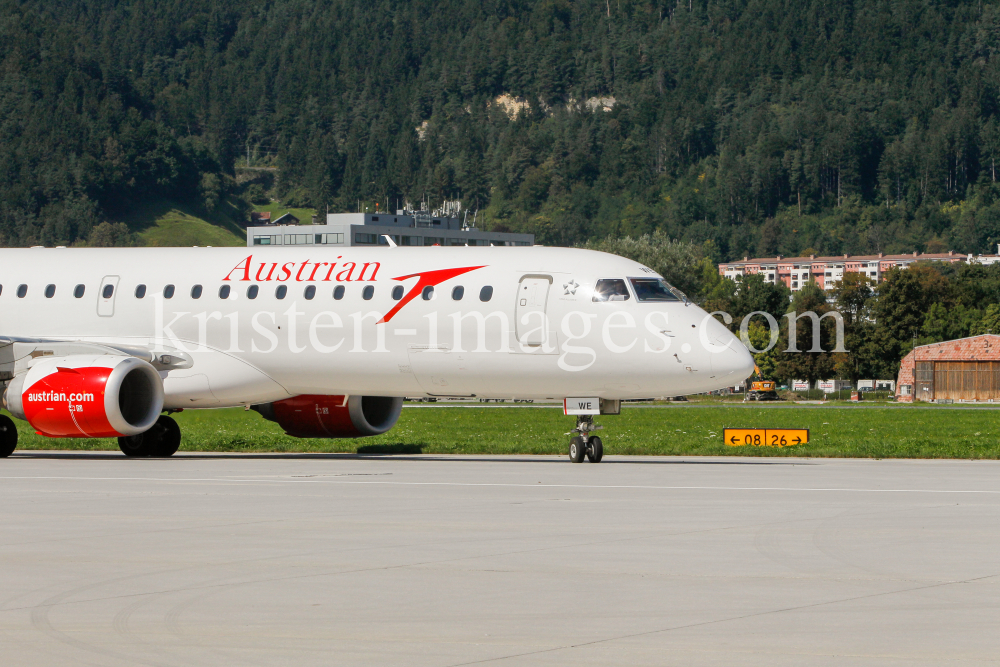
237 480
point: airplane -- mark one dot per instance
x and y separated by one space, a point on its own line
327 341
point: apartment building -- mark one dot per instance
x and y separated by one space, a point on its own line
795 272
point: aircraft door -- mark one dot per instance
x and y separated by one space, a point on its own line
529 313
106 296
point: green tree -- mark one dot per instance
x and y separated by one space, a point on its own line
754 294
853 296
802 360
941 323
990 321
111 235
716 291
900 308
211 191
767 360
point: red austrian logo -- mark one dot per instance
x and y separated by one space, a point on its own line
427 279
268 271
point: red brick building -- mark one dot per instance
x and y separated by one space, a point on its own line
967 369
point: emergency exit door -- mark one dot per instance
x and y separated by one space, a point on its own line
106 296
530 321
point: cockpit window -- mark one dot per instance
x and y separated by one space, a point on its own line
611 289
655 289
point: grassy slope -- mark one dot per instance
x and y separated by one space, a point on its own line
167 223
867 432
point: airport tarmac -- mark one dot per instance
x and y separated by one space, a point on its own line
421 560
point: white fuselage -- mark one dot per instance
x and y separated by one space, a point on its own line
540 334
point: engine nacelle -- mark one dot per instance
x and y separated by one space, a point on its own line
83 396
318 416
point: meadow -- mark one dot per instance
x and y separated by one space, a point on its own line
166 222
890 431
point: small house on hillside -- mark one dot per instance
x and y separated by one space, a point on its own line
260 218
286 219
967 369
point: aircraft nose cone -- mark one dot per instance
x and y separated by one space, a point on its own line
734 364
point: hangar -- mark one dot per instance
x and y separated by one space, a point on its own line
967 369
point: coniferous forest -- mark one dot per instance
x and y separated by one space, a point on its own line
747 127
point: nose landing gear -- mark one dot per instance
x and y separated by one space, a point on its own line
583 444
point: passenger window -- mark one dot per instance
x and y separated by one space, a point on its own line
252 292
310 292
78 291
1 289
428 293
611 289
108 291
22 291
397 292
50 291
338 292
196 292
486 293
368 292
140 291
457 293
281 292
168 292
224 292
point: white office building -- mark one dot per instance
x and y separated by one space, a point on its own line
406 228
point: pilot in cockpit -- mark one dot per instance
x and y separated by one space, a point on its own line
611 290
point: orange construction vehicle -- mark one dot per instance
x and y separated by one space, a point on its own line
762 390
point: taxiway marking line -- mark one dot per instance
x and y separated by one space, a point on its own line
237 480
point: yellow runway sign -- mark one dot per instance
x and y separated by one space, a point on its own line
765 437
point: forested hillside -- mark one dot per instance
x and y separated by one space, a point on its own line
751 126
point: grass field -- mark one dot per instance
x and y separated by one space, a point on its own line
848 431
167 223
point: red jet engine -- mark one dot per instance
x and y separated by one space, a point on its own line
319 416
83 396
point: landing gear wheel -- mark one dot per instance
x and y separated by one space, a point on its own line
161 440
135 445
168 437
8 436
595 449
582 443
